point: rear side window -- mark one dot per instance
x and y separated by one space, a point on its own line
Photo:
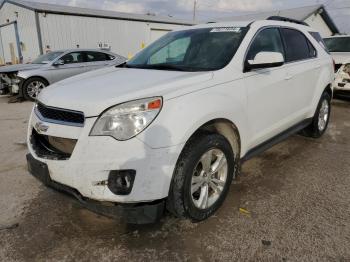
97 56
319 39
73 58
268 40
297 46
312 50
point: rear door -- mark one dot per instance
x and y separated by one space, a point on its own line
74 64
96 60
303 68
268 91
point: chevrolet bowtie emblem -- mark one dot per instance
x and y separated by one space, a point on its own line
41 128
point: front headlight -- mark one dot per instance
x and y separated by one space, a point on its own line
127 120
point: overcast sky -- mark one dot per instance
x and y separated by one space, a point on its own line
207 9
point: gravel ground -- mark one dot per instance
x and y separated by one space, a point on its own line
297 195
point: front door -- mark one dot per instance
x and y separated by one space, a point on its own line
268 90
73 64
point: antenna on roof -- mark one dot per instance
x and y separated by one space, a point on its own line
286 19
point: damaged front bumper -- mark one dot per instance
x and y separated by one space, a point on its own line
10 84
142 213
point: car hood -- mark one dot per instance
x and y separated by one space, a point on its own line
94 92
19 67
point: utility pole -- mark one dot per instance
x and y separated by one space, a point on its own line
194 10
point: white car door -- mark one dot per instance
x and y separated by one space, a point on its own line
268 90
303 68
70 64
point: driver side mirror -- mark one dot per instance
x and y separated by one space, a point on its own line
59 62
264 60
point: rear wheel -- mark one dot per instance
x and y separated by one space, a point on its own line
202 177
321 118
32 87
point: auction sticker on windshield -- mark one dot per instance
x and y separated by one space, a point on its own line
226 29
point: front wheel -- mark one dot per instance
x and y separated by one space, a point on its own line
202 177
321 118
32 87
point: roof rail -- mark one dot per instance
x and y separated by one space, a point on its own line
286 19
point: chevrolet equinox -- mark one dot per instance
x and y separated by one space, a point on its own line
169 128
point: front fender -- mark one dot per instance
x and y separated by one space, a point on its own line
32 73
182 116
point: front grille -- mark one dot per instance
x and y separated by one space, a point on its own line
59 115
53 148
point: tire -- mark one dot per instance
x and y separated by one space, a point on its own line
32 87
321 118
189 173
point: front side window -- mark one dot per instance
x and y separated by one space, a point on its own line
73 58
268 40
297 46
338 44
191 50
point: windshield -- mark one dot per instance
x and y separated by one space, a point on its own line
338 44
47 58
191 50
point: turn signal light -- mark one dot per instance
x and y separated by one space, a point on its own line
156 104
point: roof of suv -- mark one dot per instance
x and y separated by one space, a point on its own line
258 23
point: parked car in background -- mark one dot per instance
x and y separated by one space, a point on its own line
170 128
339 47
29 79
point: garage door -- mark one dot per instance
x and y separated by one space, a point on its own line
10 45
157 33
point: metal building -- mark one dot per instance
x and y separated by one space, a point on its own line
28 29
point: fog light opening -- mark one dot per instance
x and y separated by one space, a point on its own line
120 182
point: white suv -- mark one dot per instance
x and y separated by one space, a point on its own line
339 47
169 128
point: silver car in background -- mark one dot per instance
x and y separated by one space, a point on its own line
28 80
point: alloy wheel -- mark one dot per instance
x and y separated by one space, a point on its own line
209 179
34 88
323 116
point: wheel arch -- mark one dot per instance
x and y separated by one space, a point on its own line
36 76
30 78
329 90
225 128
